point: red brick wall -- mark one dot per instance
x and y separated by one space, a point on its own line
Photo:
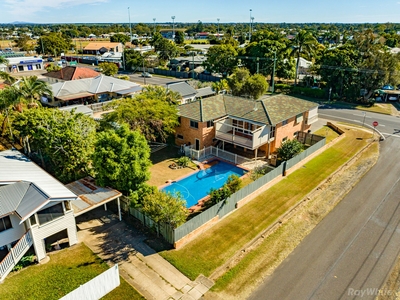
204 134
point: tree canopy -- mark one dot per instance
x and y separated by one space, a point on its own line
62 140
241 83
53 43
108 68
119 38
153 113
121 159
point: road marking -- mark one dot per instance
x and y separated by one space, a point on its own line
362 116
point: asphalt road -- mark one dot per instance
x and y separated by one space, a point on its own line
351 252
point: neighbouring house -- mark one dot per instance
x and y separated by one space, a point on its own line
187 92
304 66
90 90
205 92
103 47
33 207
254 125
191 62
70 73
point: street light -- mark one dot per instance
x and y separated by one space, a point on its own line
173 27
130 26
154 21
218 28
250 25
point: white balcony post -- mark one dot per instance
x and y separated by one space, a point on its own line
217 152
119 209
235 159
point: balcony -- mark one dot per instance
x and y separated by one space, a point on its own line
226 131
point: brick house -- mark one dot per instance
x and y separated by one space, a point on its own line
250 124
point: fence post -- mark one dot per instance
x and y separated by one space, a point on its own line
284 168
235 159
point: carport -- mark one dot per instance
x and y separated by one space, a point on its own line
92 196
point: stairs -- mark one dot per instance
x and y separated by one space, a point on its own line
15 254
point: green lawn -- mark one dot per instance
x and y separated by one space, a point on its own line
214 247
66 271
327 132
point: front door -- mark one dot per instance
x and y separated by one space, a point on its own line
197 143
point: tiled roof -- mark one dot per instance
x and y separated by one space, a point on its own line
269 110
72 73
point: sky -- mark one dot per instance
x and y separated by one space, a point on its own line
207 11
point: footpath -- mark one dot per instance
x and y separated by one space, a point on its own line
149 273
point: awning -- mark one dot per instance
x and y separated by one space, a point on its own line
74 96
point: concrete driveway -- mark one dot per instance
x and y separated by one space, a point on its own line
119 243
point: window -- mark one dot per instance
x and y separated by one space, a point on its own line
299 118
179 120
194 124
284 139
179 136
295 134
20 68
5 223
51 213
210 124
32 219
38 66
284 122
272 133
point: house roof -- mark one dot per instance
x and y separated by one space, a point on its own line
99 45
90 195
268 110
23 198
205 92
182 88
79 108
17 167
90 86
72 73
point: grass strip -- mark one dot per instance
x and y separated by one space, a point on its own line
66 271
213 248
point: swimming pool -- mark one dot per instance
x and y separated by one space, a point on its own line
196 186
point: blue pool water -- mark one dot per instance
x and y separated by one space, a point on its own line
196 186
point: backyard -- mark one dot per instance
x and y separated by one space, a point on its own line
214 247
67 270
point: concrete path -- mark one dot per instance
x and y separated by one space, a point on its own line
150 274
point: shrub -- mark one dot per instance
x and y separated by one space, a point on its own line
289 149
232 185
259 172
183 161
24 262
314 93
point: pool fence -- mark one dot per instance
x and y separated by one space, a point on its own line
200 223
210 151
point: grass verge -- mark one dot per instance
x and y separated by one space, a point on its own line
66 271
269 252
213 248
327 132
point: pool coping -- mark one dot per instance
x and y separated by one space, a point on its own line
201 202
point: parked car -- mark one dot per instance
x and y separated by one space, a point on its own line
146 74
98 69
50 59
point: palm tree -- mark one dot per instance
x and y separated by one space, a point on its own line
32 89
303 43
7 77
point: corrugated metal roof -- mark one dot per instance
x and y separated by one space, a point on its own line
90 195
83 109
22 197
17 167
204 92
182 88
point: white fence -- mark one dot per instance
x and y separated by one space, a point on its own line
214 151
96 288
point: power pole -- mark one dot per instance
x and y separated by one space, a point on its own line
273 74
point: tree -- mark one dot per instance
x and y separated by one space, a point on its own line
221 59
51 68
165 208
241 83
303 44
232 185
255 86
24 43
121 159
63 140
53 44
289 149
119 38
133 59
220 86
32 89
179 37
108 68
153 113
164 48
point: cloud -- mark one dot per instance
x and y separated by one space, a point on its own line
27 8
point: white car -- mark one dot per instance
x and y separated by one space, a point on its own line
146 74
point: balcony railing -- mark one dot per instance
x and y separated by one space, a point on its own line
15 254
